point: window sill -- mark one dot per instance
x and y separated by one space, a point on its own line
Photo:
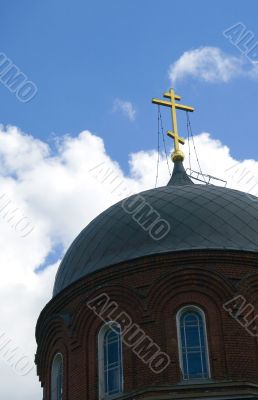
195 381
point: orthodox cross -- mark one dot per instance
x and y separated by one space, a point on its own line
177 154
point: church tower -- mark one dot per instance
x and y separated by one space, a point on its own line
157 298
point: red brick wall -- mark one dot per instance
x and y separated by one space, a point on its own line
151 291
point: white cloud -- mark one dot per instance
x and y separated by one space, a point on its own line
125 107
61 192
211 64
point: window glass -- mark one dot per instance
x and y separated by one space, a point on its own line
193 351
112 371
57 378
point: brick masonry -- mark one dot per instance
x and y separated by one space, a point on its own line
151 290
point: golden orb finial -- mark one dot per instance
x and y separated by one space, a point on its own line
177 155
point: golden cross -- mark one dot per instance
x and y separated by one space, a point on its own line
177 154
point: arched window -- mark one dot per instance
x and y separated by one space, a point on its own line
110 360
192 343
57 377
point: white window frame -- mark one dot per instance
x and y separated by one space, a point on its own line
54 376
101 335
179 340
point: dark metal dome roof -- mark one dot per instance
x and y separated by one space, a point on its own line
201 217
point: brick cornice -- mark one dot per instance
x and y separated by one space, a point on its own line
206 258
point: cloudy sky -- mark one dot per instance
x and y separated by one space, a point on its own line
90 126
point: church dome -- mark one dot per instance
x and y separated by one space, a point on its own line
157 296
195 217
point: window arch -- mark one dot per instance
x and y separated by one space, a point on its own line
110 360
192 343
57 379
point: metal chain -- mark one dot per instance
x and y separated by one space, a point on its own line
191 133
164 142
188 140
157 172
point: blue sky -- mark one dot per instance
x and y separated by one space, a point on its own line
83 55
